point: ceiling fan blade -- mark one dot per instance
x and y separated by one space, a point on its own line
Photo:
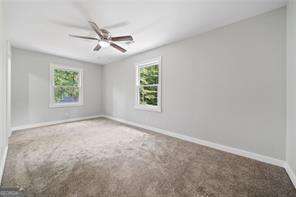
118 47
98 47
83 37
122 38
95 27
117 25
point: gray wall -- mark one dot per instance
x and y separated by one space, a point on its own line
30 88
3 93
291 85
226 86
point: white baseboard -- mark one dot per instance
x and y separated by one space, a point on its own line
42 124
2 163
224 148
290 173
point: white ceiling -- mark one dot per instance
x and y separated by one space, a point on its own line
44 25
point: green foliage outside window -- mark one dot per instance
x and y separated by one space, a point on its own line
149 75
66 84
148 85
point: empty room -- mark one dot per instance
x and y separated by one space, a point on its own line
161 98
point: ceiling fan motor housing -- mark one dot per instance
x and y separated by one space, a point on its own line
106 34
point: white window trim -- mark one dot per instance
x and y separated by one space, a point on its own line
146 64
52 103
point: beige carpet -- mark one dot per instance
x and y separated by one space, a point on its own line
101 157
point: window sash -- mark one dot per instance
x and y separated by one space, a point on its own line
66 95
152 76
149 85
138 75
138 86
139 94
63 69
153 85
53 87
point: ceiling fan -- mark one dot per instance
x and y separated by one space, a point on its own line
105 39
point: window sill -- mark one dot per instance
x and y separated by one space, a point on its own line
65 105
148 108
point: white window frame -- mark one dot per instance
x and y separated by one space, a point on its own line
52 103
148 63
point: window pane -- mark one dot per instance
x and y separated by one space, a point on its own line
66 94
148 95
66 78
149 75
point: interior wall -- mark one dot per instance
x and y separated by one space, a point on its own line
226 86
30 89
291 85
3 94
8 86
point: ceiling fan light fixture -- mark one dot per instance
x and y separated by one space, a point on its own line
104 44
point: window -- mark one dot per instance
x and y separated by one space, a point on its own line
65 86
148 85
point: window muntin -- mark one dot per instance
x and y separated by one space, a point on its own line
66 86
148 85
